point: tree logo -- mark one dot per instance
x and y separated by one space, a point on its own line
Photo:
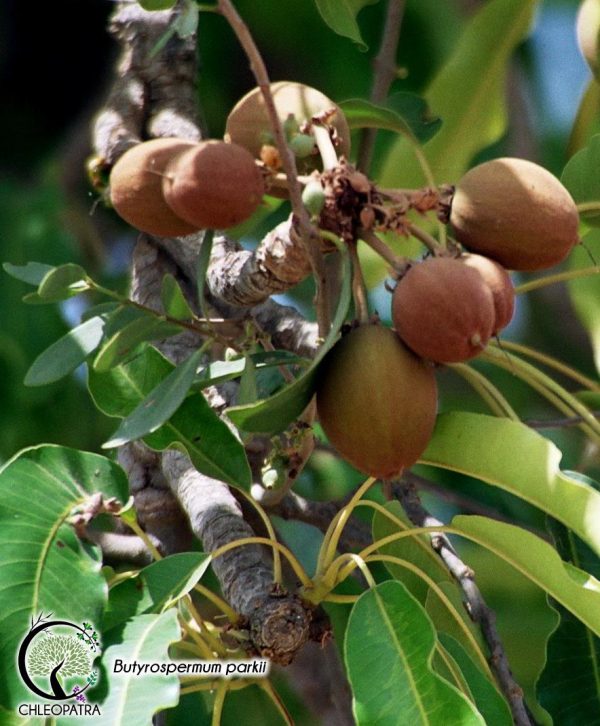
56 657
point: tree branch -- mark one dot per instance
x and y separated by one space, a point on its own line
407 495
385 73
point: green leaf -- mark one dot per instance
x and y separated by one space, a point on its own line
569 687
340 15
404 113
126 340
576 590
512 456
125 599
194 428
63 282
388 649
580 177
66 354
587 121
273 414
248 389
133 700
488 700
221 371
585 291
159 405
468 93
32 273
42 561
173 299
171 578
157 4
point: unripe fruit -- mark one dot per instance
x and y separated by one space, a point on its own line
136 188
213 185
515 212
443 310
376 401
588 30
499 282
249 120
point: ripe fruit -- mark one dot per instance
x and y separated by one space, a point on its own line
213 185
443 310
499 282
515 212
376 401
136 188
248 123
588 28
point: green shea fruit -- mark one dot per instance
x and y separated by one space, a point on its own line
515 212
214 185
136 188
443 310
376 401
499 282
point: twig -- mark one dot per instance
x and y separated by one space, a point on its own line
430 242
308 233
407 495
385 73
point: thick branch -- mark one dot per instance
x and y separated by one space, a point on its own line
279 623
477 608
245 278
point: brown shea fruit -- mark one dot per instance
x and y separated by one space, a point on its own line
499 282
443 310
515 212
136 188
248 123
213 185
376 401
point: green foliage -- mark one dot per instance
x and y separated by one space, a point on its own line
580 176
275 413
585 291
341 17
42 561
388 649
468 94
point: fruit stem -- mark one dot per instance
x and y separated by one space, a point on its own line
359 293
325 145
558 277
334 531
277 572
307 231
551 363
397 263
486 390
296 566
267 687
430 242
588 207
561 399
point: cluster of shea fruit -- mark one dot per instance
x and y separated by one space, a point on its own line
377 393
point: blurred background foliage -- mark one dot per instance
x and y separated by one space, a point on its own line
55 64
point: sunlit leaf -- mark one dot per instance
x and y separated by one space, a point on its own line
580 177
388 649
512 456
42 561
468 93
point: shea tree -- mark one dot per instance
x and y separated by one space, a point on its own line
266 491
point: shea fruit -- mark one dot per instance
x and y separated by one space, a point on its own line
443 310
136 188
248 123
499 282
588 28
213 185
515 212
376 401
